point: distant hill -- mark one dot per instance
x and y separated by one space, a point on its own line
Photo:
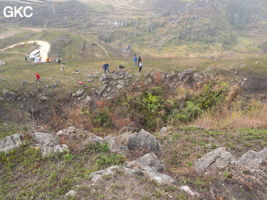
152 23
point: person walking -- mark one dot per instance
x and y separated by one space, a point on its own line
140 65
26 58
106 68
139 60
38 77
135 60
63 68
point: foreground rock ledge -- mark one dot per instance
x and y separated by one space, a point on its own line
149 165
46 142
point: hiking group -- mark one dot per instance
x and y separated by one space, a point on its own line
137 62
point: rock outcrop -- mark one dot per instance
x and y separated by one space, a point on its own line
253 160
78 93
10 143
48 143
217 159
77 138
9 96
141 142
152 167
220 159
148 165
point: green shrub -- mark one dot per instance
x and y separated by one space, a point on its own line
109 160
102 118
210 96
189 113
98 147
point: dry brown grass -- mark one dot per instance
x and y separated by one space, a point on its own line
256 118
77 119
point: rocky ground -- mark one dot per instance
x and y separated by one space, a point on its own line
50 158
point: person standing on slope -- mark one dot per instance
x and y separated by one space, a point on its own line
63 68
140 65
139 60
38 77
106 68
135 60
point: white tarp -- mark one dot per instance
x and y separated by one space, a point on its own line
34 54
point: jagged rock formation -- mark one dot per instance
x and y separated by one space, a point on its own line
217 159
220 159
48 143
253 160
149 166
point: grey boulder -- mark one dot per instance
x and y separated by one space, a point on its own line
152 167
48 143
149 166
141 142
78 93
217 159
253 160
10 143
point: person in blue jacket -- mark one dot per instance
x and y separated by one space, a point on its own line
135 60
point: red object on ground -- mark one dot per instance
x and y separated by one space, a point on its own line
38 77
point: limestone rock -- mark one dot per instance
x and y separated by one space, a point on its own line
188 190
109 171
87 100
142 141
10 143
217 159
149 165
117 147
71 193
163 131
42 97
77 138
152 167
48 143
8 95
253 160
78 93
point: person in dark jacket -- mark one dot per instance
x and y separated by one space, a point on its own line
121 67
139 60
106 68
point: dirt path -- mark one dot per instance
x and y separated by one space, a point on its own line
10 33
43 46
